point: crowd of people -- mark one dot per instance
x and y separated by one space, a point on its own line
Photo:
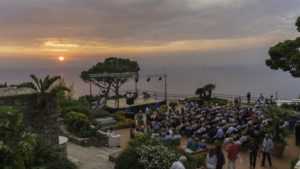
229 126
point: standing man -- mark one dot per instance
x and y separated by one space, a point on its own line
148 115
248 98
253 149
232 150
297 133
139 118
266 149
179 164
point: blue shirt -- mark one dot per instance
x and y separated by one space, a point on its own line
202 146
189 143
156 127
168 137
220 133
187 105
193 127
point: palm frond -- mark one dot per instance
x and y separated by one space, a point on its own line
57 89
54 79
41 86
36 80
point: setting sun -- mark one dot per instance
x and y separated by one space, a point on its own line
61 58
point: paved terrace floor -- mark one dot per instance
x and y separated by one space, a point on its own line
291 151
97 158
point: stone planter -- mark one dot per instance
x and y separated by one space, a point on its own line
278 150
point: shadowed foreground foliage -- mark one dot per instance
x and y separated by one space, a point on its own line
20 149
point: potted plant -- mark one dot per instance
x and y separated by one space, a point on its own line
277 132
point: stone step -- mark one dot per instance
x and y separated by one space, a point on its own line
113 156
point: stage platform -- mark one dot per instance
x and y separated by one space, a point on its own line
139 104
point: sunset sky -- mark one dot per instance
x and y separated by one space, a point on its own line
211 31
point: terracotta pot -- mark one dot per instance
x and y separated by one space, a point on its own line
278 150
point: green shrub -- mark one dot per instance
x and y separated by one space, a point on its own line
61 163
128 159
153 108
20 149
52 160
3 85
156 156
143 152
101 113
122 120
163 109
220 102
119 115
137 141
200 160
66 105
78 124
173 105
293 106
193 99
126 122
89 98
293 163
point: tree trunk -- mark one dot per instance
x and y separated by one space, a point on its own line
117 93
277 131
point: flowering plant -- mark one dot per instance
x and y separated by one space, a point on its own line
156 156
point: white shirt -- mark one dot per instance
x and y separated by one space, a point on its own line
211 162
201 130
110 133
230 130
285 124
177 165
267 145
177 136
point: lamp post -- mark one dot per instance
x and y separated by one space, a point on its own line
165 88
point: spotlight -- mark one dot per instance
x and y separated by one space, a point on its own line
159 78
148 79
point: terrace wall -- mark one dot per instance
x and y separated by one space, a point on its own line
27 102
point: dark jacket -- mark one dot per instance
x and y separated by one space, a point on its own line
220 160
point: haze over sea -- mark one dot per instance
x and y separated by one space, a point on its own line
195 42
184 76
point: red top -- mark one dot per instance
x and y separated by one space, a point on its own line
232 150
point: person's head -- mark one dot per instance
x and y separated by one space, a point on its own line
211 152
111 129
267 136
230 140
182 159
217 142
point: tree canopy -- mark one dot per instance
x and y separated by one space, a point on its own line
110 65
278 116
206 91
286 55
